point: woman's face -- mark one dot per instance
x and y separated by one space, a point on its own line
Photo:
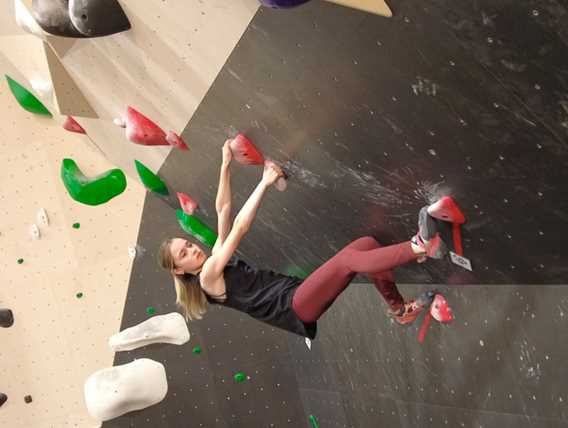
188 257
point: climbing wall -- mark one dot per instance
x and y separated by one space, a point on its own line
374 118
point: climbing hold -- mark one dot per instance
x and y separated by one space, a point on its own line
80 18
281 184
447 209
28 399
282 4
313 421
239 377
25 20
441 310
3 398
53 17
6 318
188 204
71 125
245 152
20 261
150 180
196 350
42 218
150 310
92 191
26 99
76 225
79 295
141 130
196 228
96 18
176 141
131 251
34 232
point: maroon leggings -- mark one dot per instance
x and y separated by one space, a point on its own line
365 255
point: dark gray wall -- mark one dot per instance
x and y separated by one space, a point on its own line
375 118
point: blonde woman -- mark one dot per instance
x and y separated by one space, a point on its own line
280 300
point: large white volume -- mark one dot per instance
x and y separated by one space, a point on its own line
169 328
112 392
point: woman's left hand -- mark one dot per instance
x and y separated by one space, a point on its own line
227 154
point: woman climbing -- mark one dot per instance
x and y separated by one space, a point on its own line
285 301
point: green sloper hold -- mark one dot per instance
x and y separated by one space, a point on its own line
92 191
26 99
313 421
196 228
151 180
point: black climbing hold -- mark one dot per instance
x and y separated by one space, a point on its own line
3 398
96 18
6 318
53 17
28 399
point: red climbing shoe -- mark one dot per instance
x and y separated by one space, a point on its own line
408 313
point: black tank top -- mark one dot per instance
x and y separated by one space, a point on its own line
264 295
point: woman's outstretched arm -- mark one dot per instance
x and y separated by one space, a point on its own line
213 267
223 200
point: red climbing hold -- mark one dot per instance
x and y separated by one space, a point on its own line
245 152
188 204
446 209
141 130
71 125
440 309
176 141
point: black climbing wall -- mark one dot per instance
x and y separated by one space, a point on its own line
374 118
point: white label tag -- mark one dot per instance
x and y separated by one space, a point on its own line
460 261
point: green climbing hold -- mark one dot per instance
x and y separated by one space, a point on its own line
150 310
20 261
76 225
26 99
79 295
91 191
313 421
196 350
239 377
150 180
196 228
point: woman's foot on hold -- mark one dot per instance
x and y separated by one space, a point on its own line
408 313
428 240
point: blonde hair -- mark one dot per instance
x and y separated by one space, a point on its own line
189 295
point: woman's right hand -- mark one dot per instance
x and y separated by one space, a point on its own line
227 154
272 172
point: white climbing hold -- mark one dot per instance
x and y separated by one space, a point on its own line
169 328
119 121
309 343
34 232
42 218
114 391
131 251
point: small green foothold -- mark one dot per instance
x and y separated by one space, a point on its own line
79 295
20 261
150 310
313 421
76 225
196 350
150 180
26 99
239 377
196 228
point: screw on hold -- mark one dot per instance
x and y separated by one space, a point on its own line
313 421
196 350
150 310
20 261
239 377
76 225
28 399
79 295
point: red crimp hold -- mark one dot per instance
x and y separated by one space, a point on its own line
141 130
245 152
176 141
447 209
188 204
71 125
439 310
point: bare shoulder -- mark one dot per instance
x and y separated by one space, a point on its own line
213 285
